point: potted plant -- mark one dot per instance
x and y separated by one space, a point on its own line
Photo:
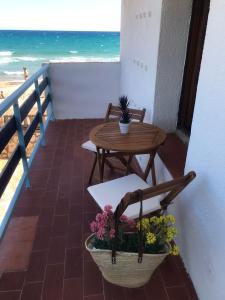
152 236
125 117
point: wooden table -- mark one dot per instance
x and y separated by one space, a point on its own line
142 139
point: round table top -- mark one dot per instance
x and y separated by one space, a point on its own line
142 137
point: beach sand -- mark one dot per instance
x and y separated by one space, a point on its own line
8 87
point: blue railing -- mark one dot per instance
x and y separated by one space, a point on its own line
14 125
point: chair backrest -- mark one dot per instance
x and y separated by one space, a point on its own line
113 113
172 188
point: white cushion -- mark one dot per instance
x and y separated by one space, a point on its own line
91 147
111 192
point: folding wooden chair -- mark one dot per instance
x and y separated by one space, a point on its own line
123 194
113 114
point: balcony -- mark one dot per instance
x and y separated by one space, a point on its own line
42 253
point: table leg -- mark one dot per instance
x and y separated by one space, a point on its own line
128 164
101 160
151 166
153 174
103 165
92 170
125 162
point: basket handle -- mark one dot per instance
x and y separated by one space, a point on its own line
118 213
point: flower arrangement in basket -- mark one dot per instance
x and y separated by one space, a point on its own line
125 118
140 246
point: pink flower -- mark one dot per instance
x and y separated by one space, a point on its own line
112 233
124 219
98 217
105 216
131 223
108 208
93 226
100 233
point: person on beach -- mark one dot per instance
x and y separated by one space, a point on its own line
25 73
2 95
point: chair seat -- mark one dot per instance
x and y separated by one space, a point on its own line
91 147
111 193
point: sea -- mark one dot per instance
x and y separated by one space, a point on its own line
29 49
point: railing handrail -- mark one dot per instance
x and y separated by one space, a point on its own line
11 99
15 126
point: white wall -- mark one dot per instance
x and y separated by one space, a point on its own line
202 206
175 23
153 50
140 29
83 90
200 209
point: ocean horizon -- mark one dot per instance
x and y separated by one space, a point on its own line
31 48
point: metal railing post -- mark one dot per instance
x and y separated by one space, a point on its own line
49 91
40 113
21 142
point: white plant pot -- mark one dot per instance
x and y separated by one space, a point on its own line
124 128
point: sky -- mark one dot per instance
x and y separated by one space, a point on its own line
89 15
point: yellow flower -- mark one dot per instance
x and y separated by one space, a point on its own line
145 224
161 219
175 250
171 233
171 219
154 220
151 238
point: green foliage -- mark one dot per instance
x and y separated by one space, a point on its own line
128 242
157 237
125 117
123 103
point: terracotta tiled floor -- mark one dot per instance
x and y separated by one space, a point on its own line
59 267
173 154
16 245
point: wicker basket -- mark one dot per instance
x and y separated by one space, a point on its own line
127 272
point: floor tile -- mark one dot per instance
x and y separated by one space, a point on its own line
53 283
170 273
96 297
92 279
74 263
15 248
155 289
113 292
60 226
32 291
46 216
75 217
74 236
12 281
42 238
13 295
73 289
173 154
62 207
177 293
135 294
15 256
37 265
57 250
